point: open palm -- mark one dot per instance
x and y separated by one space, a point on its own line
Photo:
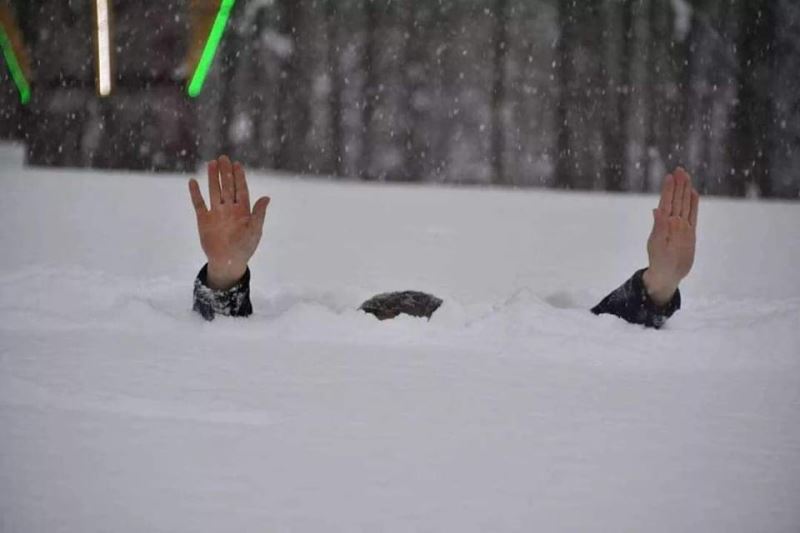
671 246
229 230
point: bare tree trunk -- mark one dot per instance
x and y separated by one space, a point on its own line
229 53
687 88
662 106
752 116
293 94
265 108
286 24
370 88
784 137
651 94
677 126
565 73
616 132
335 90
719 74
500 44
412 81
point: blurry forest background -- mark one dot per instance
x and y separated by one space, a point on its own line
576 94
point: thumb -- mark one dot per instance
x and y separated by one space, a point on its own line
259 212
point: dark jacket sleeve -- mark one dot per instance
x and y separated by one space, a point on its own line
632 303
230 302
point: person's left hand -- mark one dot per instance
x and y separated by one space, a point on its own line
229 231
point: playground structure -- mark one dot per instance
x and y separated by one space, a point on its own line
118 82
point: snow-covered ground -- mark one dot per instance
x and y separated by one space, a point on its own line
514 409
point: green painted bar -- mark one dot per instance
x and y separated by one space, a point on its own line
210 49
17 75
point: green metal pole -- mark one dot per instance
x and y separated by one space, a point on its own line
17 75
210 49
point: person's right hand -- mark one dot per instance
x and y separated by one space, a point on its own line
671 245
229 231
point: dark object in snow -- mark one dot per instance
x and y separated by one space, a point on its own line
390 304
630 302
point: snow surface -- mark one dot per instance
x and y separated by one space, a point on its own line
514 409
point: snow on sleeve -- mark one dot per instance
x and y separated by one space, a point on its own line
230 302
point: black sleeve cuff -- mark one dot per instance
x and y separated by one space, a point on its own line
632 303
229 302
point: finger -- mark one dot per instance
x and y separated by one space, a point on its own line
674 223
677 198
660 224
694 209
680 171
226 180
686 203
667 190
259 213
197 198
213 184
240 184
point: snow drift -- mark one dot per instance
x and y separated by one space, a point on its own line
513 409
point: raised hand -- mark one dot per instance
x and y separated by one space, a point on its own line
229 231
671 245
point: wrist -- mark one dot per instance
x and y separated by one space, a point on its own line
659 288
223 276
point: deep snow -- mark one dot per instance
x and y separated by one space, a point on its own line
514 409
